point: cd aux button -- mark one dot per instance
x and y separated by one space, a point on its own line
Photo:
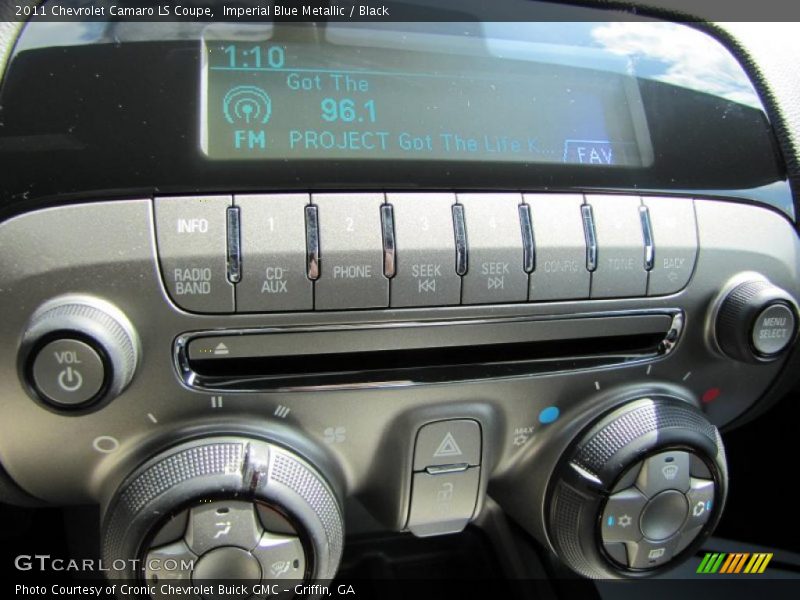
192 247
351 252
426 272
621 251
495 271
273 254
560 271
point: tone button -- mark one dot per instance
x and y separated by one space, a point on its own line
621 251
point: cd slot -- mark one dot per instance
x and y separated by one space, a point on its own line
404 354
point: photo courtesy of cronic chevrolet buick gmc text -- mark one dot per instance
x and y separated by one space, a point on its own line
403 300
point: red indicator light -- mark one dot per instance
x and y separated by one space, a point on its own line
710 395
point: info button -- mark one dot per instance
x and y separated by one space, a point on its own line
192 245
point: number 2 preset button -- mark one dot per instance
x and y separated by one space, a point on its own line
351 252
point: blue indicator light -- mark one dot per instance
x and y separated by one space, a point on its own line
610 521
708 505
549 414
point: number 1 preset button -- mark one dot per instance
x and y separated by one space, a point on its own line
274 276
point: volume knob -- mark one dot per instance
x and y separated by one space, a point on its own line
78 351
756 322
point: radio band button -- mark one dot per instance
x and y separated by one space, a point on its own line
192 239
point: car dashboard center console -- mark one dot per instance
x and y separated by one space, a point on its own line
254 276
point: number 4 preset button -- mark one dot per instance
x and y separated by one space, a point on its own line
494 241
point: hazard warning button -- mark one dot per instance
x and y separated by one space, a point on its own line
453 442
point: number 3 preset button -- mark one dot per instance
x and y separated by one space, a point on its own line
426 250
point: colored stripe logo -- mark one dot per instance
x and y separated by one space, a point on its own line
734 563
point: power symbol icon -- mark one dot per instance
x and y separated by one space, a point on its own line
70 380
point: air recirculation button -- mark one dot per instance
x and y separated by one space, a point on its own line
647 523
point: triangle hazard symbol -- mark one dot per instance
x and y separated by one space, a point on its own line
448 447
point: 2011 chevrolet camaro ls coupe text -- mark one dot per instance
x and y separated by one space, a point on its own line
399 300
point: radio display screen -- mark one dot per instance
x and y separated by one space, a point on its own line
283 91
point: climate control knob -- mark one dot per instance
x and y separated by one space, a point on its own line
640 489
756 322
230 509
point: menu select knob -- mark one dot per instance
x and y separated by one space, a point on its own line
77 351
756 322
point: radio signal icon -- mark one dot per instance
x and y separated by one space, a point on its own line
247 103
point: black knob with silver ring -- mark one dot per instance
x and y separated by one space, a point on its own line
77 352
225 509
639 490
756 322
